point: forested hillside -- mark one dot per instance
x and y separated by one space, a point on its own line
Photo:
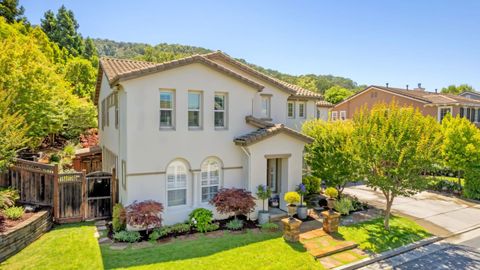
166 52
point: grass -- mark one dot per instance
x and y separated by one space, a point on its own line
447 178
372 236
74 247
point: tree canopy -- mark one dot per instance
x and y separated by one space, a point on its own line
453 89
336 94
12 12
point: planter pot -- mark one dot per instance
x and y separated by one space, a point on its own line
263 217
302 212
292 210
330 203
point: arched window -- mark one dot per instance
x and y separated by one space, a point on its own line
177 183
210 179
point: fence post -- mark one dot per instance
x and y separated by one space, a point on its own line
56 206
84 207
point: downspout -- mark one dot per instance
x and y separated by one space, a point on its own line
249 162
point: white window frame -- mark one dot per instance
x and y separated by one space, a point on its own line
172 109
439 114
293 109
302 111
206 169
268 99
343 115
334 116
176 164
224 110
199 110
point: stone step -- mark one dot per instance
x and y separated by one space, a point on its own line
277 217
330 250
312 234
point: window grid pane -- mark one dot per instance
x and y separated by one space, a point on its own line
219 111
194 104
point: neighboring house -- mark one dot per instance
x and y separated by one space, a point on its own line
179 131
472 95
436 105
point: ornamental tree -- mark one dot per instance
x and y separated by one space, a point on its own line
332 156
396 146
233 201
145 214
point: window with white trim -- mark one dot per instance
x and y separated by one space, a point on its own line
210 182
343 115
265 112
220 110
177 183
194 109
291 109
334 116
167 109
301 109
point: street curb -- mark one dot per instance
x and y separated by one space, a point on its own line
389 254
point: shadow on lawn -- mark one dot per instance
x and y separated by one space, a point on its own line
185 249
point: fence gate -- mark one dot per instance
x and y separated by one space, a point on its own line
100 193
69 198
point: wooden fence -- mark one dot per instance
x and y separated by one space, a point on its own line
73 196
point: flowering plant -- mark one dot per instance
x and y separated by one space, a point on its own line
302 190
292 197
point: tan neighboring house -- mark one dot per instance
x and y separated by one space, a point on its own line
472 95
436 105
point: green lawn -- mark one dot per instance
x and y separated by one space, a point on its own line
372 236
74 247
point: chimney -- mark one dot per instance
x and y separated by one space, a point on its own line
419 88
386 84
436 90
407 86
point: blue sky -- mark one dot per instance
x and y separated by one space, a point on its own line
436 43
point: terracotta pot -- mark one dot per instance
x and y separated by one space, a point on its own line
292 209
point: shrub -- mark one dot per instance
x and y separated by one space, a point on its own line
212 227
292 197
200 218
312 184
234 224
331 192
269 226
69 150
263 193
357 204
472 183
119 218
144 214
343 206
127 236
14 213
233 200
89 138
180 228
8 197
160 232
55 158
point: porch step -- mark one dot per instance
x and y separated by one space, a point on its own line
327 251
277 216
320 244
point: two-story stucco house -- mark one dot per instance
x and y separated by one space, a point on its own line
179 131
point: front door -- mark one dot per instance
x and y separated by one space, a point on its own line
274 170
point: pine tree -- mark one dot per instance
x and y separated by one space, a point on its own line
10 10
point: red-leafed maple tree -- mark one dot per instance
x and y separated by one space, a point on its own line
145 214
89 138
233 200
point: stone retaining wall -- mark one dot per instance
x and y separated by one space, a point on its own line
24 233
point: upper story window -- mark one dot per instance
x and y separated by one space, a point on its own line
291 109
177 183
343 115
167 109
266 105
194 109
334 115
301 109
220 110
210 172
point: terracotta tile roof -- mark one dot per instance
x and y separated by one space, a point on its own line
294 90
266 130
122 69
430 98
324 103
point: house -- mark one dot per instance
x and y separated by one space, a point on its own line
436 105
472 95
179 131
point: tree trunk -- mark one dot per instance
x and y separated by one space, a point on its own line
458 176
386 221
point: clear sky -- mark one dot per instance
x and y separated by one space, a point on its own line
436 43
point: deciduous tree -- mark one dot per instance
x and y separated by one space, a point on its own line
453 89
396 145
336 94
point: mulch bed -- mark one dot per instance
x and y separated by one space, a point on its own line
9 224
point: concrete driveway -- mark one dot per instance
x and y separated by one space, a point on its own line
441 215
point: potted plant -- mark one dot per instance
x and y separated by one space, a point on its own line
292 198
263 193
332 194
302 210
